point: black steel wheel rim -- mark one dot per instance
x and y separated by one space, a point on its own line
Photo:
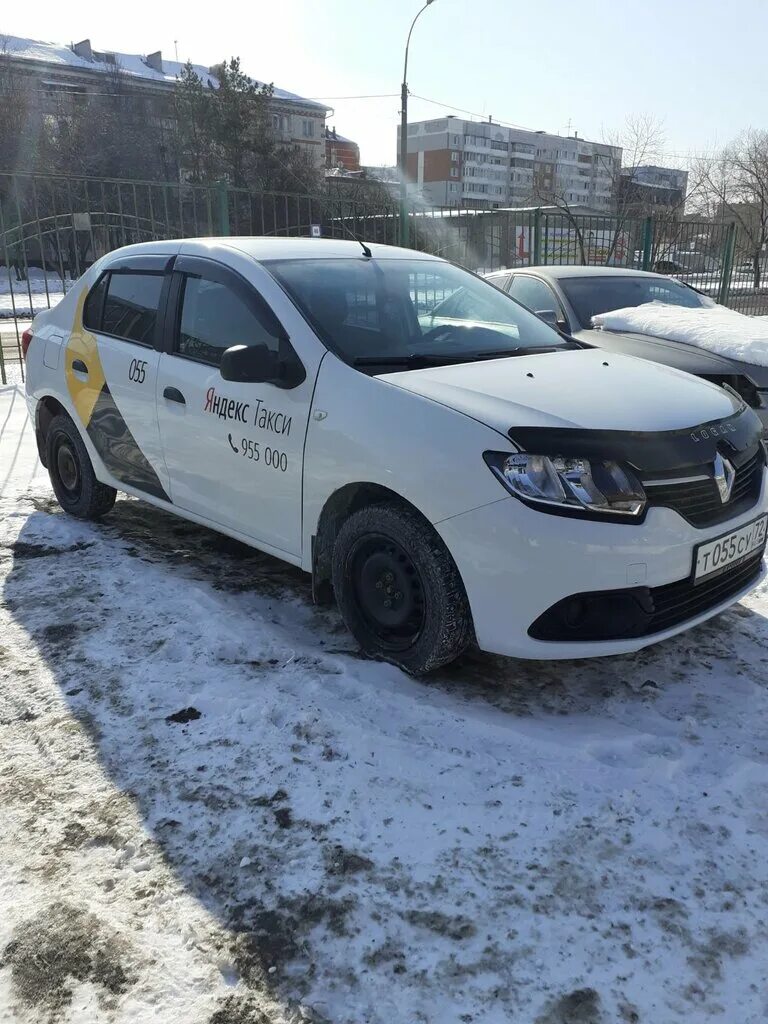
67 467
388 591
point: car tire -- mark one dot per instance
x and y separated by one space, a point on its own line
69 466
388 553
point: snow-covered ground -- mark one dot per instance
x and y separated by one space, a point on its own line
215 812
40 290
713 328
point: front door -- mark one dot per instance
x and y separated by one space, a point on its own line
233 450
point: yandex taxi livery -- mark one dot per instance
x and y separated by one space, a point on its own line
452 471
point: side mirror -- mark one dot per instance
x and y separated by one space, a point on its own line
549 316
257 364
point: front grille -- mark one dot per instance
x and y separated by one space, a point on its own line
641 611
678 602
698 501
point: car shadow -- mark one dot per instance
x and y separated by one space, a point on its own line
224 789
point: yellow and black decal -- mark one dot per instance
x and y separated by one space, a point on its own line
99 414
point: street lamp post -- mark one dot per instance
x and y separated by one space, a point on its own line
404 224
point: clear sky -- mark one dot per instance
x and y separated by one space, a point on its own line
698 65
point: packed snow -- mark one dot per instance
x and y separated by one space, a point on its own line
216 812
714 328
134 65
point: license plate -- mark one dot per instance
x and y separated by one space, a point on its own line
727 551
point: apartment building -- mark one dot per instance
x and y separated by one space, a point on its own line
58 78
453 162
647 186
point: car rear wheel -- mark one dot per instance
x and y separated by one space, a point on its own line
398 589
69 467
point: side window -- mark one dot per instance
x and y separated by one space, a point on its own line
534 294
500 281
94 304
132 305
214 318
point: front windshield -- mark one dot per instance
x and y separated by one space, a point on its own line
592 295
388 312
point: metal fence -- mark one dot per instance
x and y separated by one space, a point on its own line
52 228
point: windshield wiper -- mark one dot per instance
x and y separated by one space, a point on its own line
415 360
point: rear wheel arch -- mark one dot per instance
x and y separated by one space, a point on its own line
77 489
46 410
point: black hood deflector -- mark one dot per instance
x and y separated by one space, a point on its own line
735 437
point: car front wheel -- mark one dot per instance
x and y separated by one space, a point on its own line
398 589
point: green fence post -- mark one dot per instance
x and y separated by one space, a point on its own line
725 281
647 243
534 257
221 189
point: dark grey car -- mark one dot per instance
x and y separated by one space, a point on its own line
569 296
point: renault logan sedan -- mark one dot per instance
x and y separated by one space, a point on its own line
472 477
569 296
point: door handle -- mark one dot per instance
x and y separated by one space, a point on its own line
79 365
174 395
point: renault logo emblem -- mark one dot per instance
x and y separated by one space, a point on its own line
725 474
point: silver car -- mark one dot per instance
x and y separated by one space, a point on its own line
567 297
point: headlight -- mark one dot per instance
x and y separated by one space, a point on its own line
585 486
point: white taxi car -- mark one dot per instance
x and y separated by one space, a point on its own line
452 479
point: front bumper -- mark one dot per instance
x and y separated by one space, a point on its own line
517 562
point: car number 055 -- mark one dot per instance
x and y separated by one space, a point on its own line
137 371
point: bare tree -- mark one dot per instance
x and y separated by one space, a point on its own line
17 137
640 141
735 188
17 153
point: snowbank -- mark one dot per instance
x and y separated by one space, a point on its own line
41 290
714 328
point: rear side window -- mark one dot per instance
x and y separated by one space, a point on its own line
94 305
132 305
214 318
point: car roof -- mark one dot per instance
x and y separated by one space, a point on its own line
560 271
266 248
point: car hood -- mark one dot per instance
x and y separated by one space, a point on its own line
675 353
582 388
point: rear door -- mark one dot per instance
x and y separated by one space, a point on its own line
111 370
233 450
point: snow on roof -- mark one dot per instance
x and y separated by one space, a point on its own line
132 64
333 136
713 328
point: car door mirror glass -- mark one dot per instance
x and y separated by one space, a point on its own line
257 364
549 316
